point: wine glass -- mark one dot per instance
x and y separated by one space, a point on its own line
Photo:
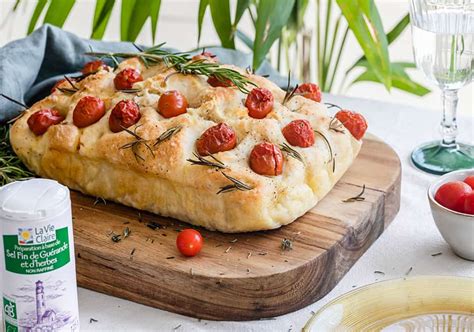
443 45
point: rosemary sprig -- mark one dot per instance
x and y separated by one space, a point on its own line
25 107
332 158
135 144
71 83
331 105
131 90
182 63
357 198
336 125
291 152
167 135
205 162
11 167
235 185
290 93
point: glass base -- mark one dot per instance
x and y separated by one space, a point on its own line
436 158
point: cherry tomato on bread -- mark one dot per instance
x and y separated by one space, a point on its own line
354 122
93 66
216 139
59 83
125 79
470 181
451 195
310 91
41 120
259 103
208 56
88 110
189 242
469 203
216 82
172 103
299 133
125 114
266 159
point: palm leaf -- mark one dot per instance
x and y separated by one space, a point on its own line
103 10
203 4
36 14
58 11
220 12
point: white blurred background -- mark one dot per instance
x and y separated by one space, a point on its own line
177 26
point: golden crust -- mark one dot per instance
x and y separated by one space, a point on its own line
93 161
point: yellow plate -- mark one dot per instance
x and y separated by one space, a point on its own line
411 304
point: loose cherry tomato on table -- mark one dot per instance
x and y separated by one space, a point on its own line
216 139
40 121
125 79
299 133
470 181
451 195
93 66
88 110
266 159
125 114
469 203
215 82
354 122
309 91
189 242
259 103
172 103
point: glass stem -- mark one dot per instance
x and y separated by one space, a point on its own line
449 127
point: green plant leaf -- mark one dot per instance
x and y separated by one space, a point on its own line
125 16
36 14
244 38
364 21
134 15
103 10
242 6
154 13
58 11
400 78
272 16
220 12
398 29
203 4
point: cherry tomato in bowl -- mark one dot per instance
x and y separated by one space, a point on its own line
469 203
189 242
299 133
40 121
125 114
218 138
470 181
451 195
266 159
309 91
125 79
354 122
172 103
259 103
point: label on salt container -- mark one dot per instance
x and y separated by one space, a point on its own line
38 267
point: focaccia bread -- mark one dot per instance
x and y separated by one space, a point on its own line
153 164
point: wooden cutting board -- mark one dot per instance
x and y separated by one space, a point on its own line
238 276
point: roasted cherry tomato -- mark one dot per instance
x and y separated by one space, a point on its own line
189 242
470 181
88 110
172 103
215 82
125 79
354 122
216 139
266 159
59 83
469 203
205 56
451 195
299 133
93 66
41 120
259 103
310 91
125 114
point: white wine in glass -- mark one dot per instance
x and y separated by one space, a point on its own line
443 44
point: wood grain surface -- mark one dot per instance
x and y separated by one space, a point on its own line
238 276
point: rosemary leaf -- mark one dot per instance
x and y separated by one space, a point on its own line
136 143
291 152
286 245
332 157
357 198
205 162
235 185
167 135
336 125
330 105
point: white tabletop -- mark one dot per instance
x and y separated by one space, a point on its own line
407 244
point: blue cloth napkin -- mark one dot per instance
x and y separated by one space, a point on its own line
30 66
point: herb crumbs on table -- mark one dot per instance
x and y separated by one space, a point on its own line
249 254
153 225
262 253
132 252
409 270
126 223
219 245
126 232
379 272
116 238
140 218
358 198
100 200
227 250
191 271
436 254
92 320
286 245
170 257
233 241
248 270
176 327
